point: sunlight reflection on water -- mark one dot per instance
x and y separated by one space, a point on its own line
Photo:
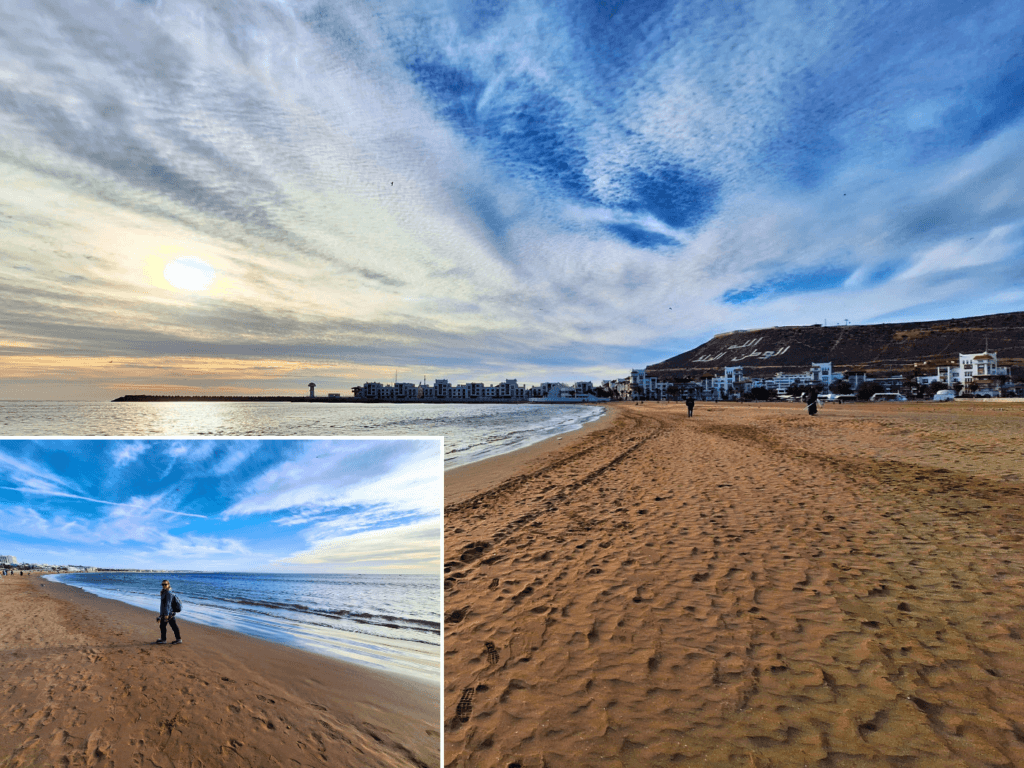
471 432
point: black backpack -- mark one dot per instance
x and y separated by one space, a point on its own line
175 604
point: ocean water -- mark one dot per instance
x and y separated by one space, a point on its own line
387 622
471 432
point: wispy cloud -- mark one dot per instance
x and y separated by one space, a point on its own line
233 458
413 548
125 453
246 506
28 476
369 481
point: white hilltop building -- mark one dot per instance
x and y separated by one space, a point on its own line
979 370
733 383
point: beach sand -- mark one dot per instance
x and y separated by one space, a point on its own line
82 685
750 587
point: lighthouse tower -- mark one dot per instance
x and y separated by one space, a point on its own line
312 386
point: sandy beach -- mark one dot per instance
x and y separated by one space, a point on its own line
750 587
82 685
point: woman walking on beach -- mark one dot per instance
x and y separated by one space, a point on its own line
167 615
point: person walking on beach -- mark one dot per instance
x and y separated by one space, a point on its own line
689 406
812 402
167 615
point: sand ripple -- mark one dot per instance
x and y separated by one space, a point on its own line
751 587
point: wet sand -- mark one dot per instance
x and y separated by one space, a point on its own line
82 685
470 480
750 587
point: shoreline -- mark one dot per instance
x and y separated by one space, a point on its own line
321 398
393 656
82 682
465 480
752 586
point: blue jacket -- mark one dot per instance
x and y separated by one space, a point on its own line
165 602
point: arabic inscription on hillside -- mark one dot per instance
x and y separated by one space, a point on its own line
739 352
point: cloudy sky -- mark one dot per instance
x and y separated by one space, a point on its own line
319 506
244 197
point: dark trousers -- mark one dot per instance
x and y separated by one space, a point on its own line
689 410
164 621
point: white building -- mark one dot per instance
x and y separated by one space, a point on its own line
978 369
639 386
8 560
510 390
564 393
821 373
732 384
819 376
442 390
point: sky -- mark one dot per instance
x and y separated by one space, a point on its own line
302 506
208 197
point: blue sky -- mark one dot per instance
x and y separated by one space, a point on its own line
318 506
244 197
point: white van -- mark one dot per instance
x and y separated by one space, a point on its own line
834 398
891 397
944 394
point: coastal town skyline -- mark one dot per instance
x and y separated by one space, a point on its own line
241 200
289 506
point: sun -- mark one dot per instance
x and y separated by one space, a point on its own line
189 274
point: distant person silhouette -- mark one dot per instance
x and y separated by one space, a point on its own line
689 406
167 615
812 403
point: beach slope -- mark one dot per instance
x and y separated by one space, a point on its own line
82 685
750 587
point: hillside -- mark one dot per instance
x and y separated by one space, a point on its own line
878 349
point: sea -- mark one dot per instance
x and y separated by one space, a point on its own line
471 431
391 623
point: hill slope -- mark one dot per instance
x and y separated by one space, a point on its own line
878 349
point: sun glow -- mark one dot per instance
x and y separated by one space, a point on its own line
189 274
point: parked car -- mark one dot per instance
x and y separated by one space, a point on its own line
887 397
944 394
834 398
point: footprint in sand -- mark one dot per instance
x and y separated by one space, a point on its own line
473 551
464 709
456 616
492 654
